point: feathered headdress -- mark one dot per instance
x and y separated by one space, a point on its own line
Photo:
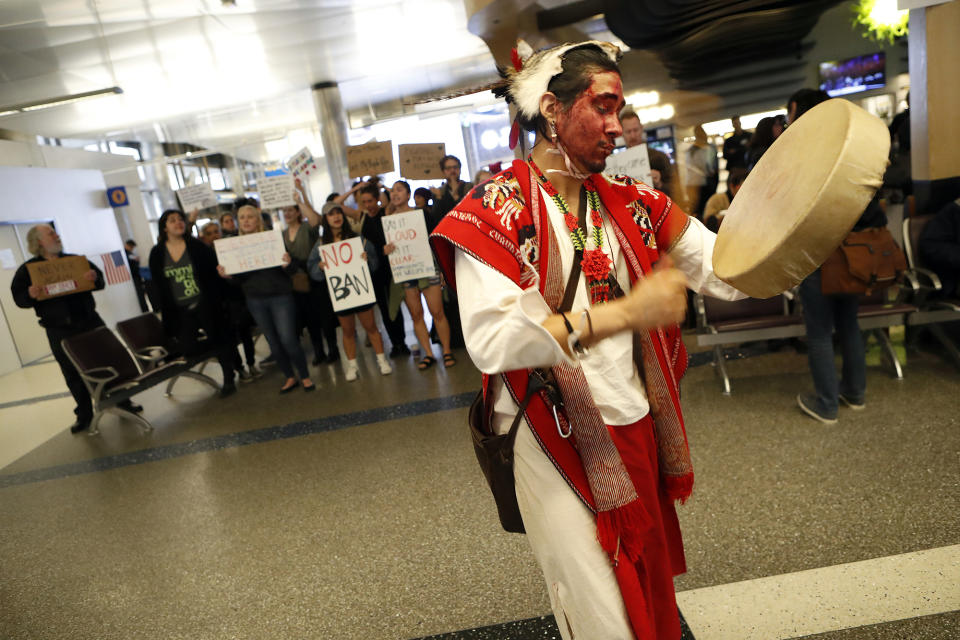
528 79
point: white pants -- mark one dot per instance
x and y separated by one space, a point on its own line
584 593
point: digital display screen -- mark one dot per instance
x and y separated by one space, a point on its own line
853 75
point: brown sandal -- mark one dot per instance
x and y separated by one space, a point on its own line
449 360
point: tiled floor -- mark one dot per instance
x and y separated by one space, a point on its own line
358 512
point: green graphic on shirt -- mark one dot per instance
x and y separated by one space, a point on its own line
185 284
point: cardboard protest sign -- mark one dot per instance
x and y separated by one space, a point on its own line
60 276
302 163
412 258
198 196
276 191
370 159
251 251
633 162
347 274
421 161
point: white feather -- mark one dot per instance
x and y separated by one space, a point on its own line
529 84
524 50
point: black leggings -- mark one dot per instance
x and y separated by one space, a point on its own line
187 340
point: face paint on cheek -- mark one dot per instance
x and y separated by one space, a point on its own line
581 131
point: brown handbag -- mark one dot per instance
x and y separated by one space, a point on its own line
865 262
495 452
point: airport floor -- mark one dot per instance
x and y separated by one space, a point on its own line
359 512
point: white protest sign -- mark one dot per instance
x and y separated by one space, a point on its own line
347 274
411 258
276 192
198 196
633 162
302 163
251 251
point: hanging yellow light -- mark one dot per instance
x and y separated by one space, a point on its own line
882 19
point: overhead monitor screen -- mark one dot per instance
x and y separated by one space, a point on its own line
853 75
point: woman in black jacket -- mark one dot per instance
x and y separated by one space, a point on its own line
184 272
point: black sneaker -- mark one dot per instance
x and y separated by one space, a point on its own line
807 403
130 405
856 405
79 425
399 351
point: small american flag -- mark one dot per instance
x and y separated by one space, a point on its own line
115 267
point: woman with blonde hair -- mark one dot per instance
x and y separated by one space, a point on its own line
269 294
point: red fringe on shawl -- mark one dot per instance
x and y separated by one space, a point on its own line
620 531
678 488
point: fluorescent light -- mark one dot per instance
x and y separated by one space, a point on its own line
56 102
643 99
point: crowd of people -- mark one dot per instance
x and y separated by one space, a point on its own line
284 301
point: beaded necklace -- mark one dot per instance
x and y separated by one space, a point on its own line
596 265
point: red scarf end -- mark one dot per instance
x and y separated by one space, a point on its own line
620 530
679 488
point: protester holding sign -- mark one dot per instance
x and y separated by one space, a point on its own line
367 221
314 310
429 287
336 230
269 294
62 316
191 295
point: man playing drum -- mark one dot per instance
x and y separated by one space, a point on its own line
597 484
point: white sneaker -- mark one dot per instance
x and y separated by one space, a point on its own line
384 364
350 370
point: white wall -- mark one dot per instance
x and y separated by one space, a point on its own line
68 186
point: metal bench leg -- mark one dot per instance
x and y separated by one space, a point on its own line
884 341
948 346
721 365
94 429
196 375
169 390
130 415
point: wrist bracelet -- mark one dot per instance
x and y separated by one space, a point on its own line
566 322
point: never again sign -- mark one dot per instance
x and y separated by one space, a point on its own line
347 274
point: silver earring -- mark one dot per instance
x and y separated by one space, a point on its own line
553 130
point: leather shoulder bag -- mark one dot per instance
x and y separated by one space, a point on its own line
865 262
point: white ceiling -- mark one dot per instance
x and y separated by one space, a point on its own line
197 71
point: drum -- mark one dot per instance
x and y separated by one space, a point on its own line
802 198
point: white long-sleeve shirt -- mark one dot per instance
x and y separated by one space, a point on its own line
503 324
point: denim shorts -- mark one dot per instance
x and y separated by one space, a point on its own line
422 283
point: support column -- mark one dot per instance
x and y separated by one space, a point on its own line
934 96
333 131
